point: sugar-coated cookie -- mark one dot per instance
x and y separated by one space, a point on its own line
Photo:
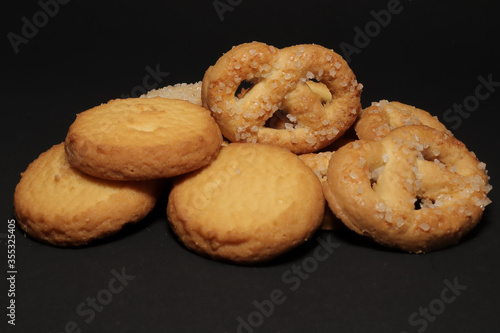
417 189
142 138
190 92
377 120
251 204
254 82
57 204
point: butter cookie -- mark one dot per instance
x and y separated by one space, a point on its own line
57 204
251 204
142 138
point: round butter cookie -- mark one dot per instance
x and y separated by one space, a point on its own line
57 204
142 138
251 204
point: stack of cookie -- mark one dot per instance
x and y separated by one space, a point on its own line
300 155
110 169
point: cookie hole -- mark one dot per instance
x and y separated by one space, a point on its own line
424 202
431 154
418 203
321 90
434 155
244 87
374 174
281 120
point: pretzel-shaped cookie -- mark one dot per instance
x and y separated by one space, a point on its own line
377 120
372 186
279 78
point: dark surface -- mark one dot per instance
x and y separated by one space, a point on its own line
431 55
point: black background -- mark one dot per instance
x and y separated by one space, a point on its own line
431 55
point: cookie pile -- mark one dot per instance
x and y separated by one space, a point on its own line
300 155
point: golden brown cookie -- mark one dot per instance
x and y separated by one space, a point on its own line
417 189
277 83
377 120
190 92
318 162
57 204
251 204
142 138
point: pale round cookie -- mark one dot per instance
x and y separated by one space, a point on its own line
251 204
57 204
190 92
142 138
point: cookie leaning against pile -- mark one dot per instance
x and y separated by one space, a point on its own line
278 79
142 138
